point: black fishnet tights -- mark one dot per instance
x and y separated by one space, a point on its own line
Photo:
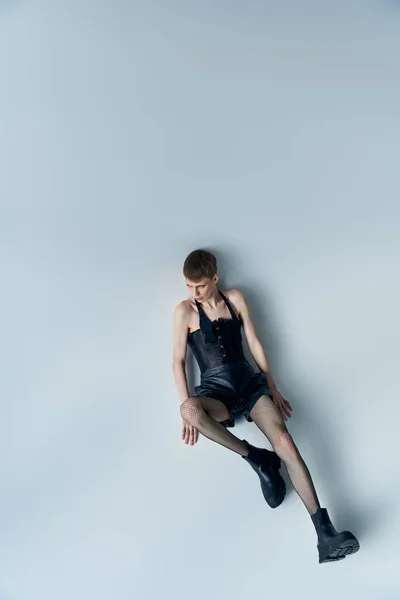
204 414
269 420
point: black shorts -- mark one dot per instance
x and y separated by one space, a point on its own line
235 384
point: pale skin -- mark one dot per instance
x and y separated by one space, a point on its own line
186 320
269 414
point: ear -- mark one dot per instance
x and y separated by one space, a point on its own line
215 278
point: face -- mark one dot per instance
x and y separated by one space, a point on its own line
203 289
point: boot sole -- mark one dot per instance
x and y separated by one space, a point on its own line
343 545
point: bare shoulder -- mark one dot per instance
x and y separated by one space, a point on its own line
236 298
234 294
183 311
182 308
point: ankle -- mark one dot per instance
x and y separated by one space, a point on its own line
314 510
245 449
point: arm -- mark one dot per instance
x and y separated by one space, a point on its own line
179 352
253 341
258 353
189 433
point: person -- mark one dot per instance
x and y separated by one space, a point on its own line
210 322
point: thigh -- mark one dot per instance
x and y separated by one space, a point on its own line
214 408
268 418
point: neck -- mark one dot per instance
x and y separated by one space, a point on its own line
213 300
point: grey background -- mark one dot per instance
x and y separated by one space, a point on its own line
130 134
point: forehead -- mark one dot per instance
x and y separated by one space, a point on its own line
199 282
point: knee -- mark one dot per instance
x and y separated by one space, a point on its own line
285 447
192 411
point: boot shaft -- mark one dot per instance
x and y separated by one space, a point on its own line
323 525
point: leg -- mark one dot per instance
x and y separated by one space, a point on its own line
267 418
206 414
332 545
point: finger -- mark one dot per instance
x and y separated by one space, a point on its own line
192 436
285 413
288 405
186 434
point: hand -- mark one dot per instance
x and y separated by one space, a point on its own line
190 435
281 404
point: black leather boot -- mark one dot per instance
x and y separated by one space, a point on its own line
332 545
267 464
